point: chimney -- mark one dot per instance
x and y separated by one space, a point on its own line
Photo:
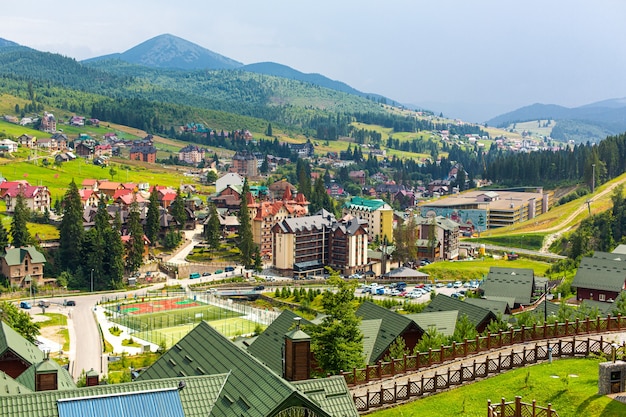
92 378
46 374
297 354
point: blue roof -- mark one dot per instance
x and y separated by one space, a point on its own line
161 403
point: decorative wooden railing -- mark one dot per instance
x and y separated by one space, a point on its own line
423 385
518 409
409 363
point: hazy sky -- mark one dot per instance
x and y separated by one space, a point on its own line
471 59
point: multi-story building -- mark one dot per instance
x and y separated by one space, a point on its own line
438 238
265 214
377 214
36 198
304 246
245 164
48 123
145 153
191 154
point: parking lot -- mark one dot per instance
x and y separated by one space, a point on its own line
456 290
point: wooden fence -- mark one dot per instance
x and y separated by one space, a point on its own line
501 339
518 409
424 385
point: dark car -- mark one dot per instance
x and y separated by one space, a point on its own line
259 288
229 269
69 303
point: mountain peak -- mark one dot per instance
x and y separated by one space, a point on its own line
169 51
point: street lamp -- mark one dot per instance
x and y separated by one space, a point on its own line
91 279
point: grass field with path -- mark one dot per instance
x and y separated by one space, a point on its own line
570 385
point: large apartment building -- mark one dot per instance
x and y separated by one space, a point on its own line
377 214
304 246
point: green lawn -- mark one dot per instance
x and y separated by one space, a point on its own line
570 385
477 268
530 241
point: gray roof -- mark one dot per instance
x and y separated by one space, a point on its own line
294 224
621 249
600 274
404 272
509 282
615 256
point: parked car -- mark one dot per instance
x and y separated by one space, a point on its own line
458 284
25 305
43 303
206 274
259 288
219 271
229 269
69 303
194 275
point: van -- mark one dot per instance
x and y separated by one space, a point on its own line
194 275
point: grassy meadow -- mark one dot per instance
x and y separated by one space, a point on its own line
477 268
570 385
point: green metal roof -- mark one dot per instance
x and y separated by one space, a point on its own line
268 346
64 379
600 274
369 329
15 342
364 204
609 256
497 306
251 389
443 321
331 393
15 256
477 315
393 325
510 282
198 397
9 386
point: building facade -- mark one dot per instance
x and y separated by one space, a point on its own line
377 214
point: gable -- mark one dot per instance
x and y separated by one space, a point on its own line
477 315
252 389
10 340
510 282
600 274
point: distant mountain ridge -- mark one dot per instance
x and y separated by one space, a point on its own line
603 117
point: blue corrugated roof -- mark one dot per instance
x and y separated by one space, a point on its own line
162 403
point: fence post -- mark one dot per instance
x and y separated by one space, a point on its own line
422 387
502 407
367 400
489 410
523 356
534 411
512 358
395 391
573 346
549 410
499 361
474 369
560 348
518 406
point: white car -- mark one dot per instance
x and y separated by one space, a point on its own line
458 284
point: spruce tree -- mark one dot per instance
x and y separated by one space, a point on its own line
4 239
177 209
20 236
246 243
152 217
71 230
135 248
213 228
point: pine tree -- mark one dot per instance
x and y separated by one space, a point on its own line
246 243
71 230
213 228
4 239
20 236
177 209
135 249
258 262
152 217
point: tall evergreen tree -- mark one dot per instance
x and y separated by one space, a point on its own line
71 230
20 236
213 228
178 209
337 342
246 242
134 257
152 217
4 239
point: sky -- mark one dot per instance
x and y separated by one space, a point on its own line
468 59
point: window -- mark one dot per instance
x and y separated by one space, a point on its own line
602 297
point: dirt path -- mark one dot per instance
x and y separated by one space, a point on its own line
559 229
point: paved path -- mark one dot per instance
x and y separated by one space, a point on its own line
374 386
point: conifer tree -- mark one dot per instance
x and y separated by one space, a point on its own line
135 248
71 230
4 239
213 228
178 209
20 236
152 217
246 243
